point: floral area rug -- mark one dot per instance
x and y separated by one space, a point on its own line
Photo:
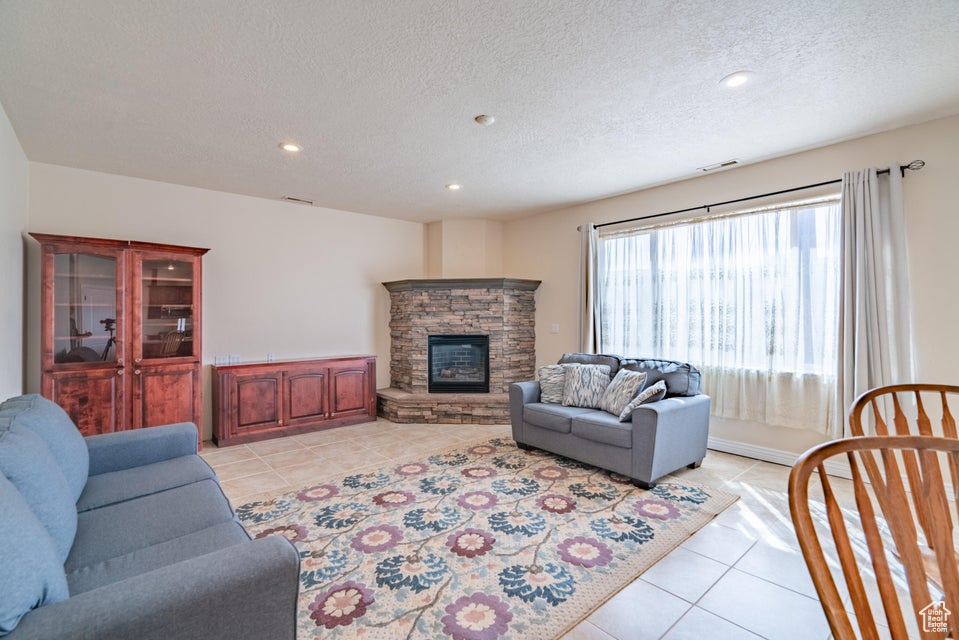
477 543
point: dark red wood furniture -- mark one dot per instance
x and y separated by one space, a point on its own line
271 399
109 310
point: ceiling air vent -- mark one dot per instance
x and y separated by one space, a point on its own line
719 165
298 200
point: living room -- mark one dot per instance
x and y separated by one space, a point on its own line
284 280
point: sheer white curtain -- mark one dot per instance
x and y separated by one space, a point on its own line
876 332
751 299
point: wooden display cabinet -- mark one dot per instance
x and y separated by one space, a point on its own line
120 331
268 400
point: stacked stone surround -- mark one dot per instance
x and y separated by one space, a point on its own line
502 308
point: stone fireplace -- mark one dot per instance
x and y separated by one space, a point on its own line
464 315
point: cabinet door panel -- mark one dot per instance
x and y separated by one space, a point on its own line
258 402
306 397
92 398
349 391
165 394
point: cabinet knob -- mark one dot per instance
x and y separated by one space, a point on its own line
136 361
136 372
120 371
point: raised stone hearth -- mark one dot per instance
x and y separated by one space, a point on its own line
501 308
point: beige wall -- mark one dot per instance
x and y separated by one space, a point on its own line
284 278
471 248
14 194
546 246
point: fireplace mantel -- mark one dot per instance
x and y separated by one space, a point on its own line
462 283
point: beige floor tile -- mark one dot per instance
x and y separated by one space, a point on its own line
618 617
240 469
291 458
698 624
326 436
766 609
587 631
685 574
258 483
226 455
336 450
719 543
276 445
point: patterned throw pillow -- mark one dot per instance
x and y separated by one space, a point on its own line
621 390
552 380
585 384
651 393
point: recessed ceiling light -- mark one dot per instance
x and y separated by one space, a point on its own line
484 120
289 146
736 79
454 186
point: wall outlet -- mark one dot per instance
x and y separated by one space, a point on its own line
221 361
554 328
234 358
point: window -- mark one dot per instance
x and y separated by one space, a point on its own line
751 299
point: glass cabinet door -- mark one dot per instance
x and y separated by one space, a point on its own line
167 300
85 308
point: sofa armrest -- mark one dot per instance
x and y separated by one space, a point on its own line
521 394
137 447
668 435
242 591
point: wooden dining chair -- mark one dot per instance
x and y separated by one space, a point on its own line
909 409
888 544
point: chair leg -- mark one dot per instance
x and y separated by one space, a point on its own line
642 484
695 465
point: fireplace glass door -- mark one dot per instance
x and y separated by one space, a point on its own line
458 364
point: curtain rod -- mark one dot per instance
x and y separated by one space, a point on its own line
915 165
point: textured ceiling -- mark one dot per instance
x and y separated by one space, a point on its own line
591 97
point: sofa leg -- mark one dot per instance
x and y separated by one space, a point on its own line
523 446
695 465
642 484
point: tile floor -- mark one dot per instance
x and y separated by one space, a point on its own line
741 576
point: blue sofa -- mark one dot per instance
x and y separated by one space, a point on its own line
659 438
127 535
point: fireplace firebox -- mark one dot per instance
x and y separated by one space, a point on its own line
458 364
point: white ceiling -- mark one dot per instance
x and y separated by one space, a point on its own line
591 97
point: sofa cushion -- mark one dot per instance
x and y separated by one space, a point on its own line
609 360
119 529
599 426
31 573
49 421
117 486
585 385
554 417
552 380
681 378
653 393
621 390
155 556
29 465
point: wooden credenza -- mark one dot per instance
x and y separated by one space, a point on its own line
272 399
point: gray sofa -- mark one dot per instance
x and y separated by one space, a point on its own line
127 535
661 436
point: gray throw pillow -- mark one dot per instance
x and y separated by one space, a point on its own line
652 393
585 384
552 380
621 390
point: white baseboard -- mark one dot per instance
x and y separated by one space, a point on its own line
768 454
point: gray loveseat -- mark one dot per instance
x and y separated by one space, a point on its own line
661 436
127 535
